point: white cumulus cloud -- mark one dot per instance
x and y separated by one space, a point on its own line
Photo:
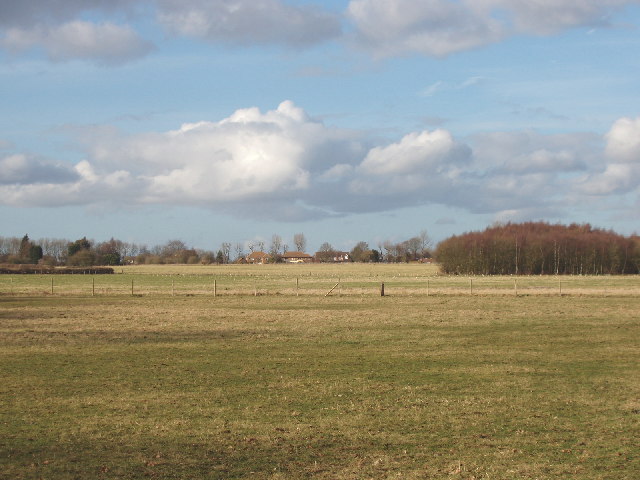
284 164
623 140
419 152
430 27
422 168
621 171
249 158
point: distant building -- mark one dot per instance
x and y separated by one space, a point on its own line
296 257
257 258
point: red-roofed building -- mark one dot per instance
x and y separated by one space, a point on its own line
297 257
257 258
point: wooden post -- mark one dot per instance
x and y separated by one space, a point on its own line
560 286
334 287
427 288
215 288
471 285
11 285
515 285
297 286
52 285
93 286
382 289
132 287
173 288
255 290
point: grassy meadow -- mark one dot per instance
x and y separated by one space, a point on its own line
315 280
349 386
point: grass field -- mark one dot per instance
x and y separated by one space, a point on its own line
341 387
315 280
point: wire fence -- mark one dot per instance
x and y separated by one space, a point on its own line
317 285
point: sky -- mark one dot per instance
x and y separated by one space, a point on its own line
215 121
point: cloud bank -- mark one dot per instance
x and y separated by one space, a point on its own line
285 165
247 22
443 27
106 43
383 28
59 29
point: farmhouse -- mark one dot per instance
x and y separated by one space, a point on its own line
296 257
257 258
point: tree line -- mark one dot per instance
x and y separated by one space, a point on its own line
530 248
84 252
416 248
539 248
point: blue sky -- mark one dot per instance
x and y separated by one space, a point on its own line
233 120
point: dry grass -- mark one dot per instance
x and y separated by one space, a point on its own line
349 387
309 280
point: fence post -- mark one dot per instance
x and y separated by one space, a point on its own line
93 286
427 287
297 286
334 287
515 286
52 285
132 287
382 289
215 288
471 286
173 287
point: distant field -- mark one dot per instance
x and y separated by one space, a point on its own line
315 279
340 387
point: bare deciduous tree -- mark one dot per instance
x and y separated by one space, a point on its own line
326 253
425 243
414 246
239 250
226 252
276 245
326 247
300 242
172 247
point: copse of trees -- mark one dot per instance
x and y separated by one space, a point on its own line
57 251
29 252
539 248
414 249
18 251
80 253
